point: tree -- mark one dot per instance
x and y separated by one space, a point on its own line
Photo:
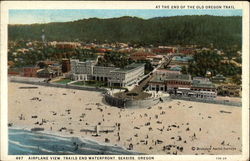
184 70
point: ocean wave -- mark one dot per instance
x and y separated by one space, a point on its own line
30 147
37 134
16 133
66 152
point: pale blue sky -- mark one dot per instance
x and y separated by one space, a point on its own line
49 15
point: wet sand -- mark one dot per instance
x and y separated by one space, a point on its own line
176 127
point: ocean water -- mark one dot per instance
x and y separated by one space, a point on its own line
24 142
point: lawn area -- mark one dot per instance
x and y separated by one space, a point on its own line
91 83
63 81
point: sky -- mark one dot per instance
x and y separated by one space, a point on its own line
65 15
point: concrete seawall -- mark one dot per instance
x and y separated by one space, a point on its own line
113 101
125 103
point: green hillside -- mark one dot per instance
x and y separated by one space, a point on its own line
200 30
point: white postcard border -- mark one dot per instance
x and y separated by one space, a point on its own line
5 6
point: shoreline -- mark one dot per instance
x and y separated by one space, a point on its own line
71 137
64 136
149 130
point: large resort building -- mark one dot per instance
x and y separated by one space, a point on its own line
113 76
183 85
169 82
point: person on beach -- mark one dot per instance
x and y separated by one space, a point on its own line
119 126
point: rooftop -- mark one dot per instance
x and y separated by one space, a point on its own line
202 85
30 66
183 59
129 67
162 78
175 68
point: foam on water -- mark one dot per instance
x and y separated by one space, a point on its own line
29 147
24 142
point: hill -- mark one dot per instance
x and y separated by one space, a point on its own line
200 30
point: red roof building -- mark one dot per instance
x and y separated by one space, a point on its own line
65 65
141 55
186 51
164 50
30 71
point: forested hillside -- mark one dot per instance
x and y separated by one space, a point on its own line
199 30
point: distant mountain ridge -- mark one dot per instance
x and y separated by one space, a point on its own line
199 30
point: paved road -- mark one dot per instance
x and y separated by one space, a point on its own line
139 88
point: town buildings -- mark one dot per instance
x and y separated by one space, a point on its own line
42 69
218 78
46 73
230 90
203 88
166 71
65 45
14 71
65 65
113 76
29 71
181 60
186 50
49 69
177 68
169 82
164 50
141 55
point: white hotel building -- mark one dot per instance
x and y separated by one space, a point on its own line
114 76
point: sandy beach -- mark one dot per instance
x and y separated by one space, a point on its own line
176 127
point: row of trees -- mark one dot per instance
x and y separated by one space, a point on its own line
114 59
121 60
212 62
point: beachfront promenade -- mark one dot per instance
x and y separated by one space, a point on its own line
119 98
